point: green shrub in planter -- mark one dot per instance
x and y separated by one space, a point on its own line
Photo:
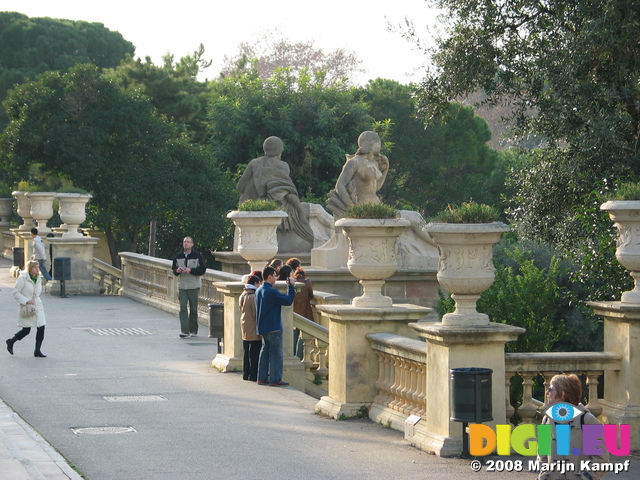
259 206
371 210
626 192
468 212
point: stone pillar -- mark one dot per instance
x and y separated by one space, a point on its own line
459 347
621 403
6 209
231 359
293 368
353 363
80 251
21 240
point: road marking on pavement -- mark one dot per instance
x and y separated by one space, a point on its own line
101 430
119 331
135 398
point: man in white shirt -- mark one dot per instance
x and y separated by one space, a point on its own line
40 254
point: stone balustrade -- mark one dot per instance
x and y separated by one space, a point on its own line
401 383
394 374
315 341
151 281
538 369
108 277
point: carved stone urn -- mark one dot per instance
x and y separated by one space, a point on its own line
24 211
466 266
626 216
41 209
72 212
6 209
372 255
257 238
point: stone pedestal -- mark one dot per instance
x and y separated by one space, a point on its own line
621 403
353 363
80 251
21 240
6 241
459 347
231 359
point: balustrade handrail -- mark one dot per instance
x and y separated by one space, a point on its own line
394 344
311 328
108 277
107 268
562 361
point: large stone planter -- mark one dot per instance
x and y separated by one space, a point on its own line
72 212
257 239
626 215
41 209
6 209
372 255
466 266
24 211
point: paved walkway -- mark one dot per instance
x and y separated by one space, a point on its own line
121 397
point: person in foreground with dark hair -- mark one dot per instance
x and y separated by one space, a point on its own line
269 302
189 266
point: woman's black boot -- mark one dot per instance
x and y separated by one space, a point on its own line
10 342
39 338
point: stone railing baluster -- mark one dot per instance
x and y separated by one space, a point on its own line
593 404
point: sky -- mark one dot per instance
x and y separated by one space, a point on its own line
156 28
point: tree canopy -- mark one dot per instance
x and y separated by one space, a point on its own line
274 52
450 161
172 87
571 71
317 123
111 142
30 46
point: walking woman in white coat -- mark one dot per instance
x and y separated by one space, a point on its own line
27 292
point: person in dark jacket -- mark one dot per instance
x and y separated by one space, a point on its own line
269 302
189 266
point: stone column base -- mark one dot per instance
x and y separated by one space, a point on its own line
294 372
73 287
431 442
225 363
387 416
340 410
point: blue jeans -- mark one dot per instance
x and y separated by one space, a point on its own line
271 361
43 269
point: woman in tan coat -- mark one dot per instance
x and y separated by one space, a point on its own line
251 341
27 292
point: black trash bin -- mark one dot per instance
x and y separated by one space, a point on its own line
470 399
62 268
18 257
216 322
62 272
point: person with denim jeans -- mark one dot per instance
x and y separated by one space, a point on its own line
189 266
269 302
40 254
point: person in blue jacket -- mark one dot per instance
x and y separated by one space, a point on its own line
269 302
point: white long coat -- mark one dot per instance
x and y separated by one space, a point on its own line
23 292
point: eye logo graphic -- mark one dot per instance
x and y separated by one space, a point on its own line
563 412
529 439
